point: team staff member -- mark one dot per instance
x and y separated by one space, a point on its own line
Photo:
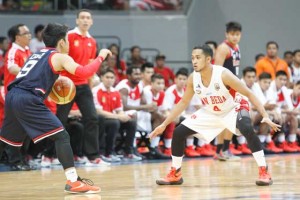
83 50
14 60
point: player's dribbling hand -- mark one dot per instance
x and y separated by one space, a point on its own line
104 53
274 126
157 131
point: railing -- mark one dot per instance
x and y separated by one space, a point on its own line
148 53
106 40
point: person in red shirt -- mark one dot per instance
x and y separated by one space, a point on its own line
3 48
82 48
14 60
109 106
17 54
165 71
120 65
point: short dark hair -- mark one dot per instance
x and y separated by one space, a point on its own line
297 83
106 70
287 52
214 43
264 75
14 31
259 55
156 76
38 28
207 51
281 73
182 71
2 38
233 26
146 65
296 51
134 47
54 32
248 69
272 42
130 69
83 10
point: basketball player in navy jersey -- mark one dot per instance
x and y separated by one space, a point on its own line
228 55
25 112
214 85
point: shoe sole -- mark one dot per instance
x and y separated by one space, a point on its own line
262 183
88 192
158 182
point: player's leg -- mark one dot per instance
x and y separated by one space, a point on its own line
39 123
178 145
84 100
12 134
65 156
220 142
245 126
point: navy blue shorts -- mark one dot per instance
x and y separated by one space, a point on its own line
26 114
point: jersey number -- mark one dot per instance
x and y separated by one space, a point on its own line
216 108
27 67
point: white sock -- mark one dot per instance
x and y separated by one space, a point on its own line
71 174
216 142
134 142
262 138
241 139
176 162
268 138
168 143
292 137
201 142
281 138
190 141
155 142
259 157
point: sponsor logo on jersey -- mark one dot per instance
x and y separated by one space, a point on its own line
217 86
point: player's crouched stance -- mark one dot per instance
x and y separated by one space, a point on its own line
25 112
216 87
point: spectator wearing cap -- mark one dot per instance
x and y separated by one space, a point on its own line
37 43
165 71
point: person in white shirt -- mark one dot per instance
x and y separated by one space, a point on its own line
154 93
262 93
295 66
292 119
279 91
37 43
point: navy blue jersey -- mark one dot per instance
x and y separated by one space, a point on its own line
232 60
37 74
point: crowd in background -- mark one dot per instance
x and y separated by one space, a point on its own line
131 97
143 5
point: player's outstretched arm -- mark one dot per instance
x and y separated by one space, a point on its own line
177 110
62 61
233 82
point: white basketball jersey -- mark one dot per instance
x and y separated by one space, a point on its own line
215 98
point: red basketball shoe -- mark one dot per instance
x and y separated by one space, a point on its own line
81 186
174 177
264 178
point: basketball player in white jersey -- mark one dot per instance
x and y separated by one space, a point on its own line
216 87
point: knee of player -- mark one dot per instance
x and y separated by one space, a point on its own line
61 136
245 126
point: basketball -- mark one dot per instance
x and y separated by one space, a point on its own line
63 90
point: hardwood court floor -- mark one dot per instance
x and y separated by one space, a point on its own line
203 179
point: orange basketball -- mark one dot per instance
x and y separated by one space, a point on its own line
63 90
